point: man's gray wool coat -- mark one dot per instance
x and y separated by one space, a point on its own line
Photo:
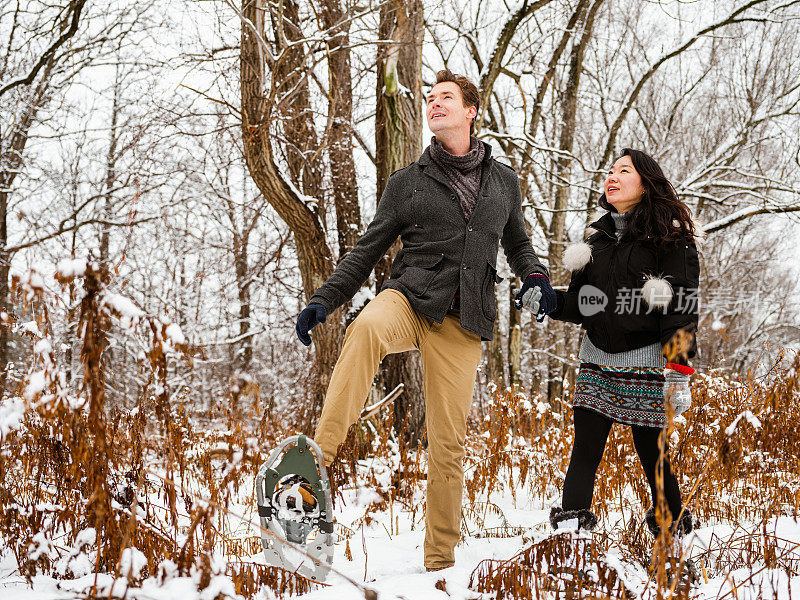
441 249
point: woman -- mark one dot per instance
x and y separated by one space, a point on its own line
634 290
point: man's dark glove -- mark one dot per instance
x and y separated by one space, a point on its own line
308 319
536 290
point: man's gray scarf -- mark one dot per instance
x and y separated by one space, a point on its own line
463 172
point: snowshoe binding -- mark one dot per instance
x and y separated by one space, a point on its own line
577 566
295 509
670 561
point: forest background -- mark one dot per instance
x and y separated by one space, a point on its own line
202 166
222 177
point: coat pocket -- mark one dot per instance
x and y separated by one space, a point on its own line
490 279
419 270
640 261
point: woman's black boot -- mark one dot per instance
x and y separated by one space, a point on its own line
679 527
572 519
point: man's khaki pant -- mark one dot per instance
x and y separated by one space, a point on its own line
450 357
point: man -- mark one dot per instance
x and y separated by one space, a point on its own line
451 208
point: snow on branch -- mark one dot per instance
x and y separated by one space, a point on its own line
745 213
747 416
634 93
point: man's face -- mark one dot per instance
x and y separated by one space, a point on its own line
446 110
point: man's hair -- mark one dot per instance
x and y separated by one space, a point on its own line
469 91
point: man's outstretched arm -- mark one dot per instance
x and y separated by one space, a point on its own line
355 268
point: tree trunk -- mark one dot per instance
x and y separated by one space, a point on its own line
536 340
314 256
515 336
244 349
340 118
557 233
111 176
302 155
398 143
5 305
108 214
495 361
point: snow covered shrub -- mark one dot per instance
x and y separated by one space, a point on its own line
736 453
564 565
123 493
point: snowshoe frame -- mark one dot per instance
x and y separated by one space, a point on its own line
296 455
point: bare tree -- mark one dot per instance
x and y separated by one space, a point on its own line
275 76
398 143
339 144
35 68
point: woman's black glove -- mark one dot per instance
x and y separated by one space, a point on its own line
308 319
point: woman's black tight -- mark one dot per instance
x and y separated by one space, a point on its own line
591 433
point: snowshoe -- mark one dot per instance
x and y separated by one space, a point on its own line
680 572
669 554
295 509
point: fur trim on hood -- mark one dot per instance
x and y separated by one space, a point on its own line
700 234
577 256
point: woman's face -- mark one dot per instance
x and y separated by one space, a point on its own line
623 185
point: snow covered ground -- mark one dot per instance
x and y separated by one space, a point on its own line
385 555
735 454
392 564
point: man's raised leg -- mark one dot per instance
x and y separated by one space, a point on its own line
386 325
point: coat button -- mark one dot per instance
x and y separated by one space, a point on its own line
469 228
464 266
452 196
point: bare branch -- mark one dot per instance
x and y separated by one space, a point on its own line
634 94
745 213
77 226
492 68
76 7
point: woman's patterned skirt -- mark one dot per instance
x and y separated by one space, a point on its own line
628 395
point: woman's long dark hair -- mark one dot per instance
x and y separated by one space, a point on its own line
659 215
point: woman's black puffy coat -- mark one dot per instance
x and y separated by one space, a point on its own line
619 269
